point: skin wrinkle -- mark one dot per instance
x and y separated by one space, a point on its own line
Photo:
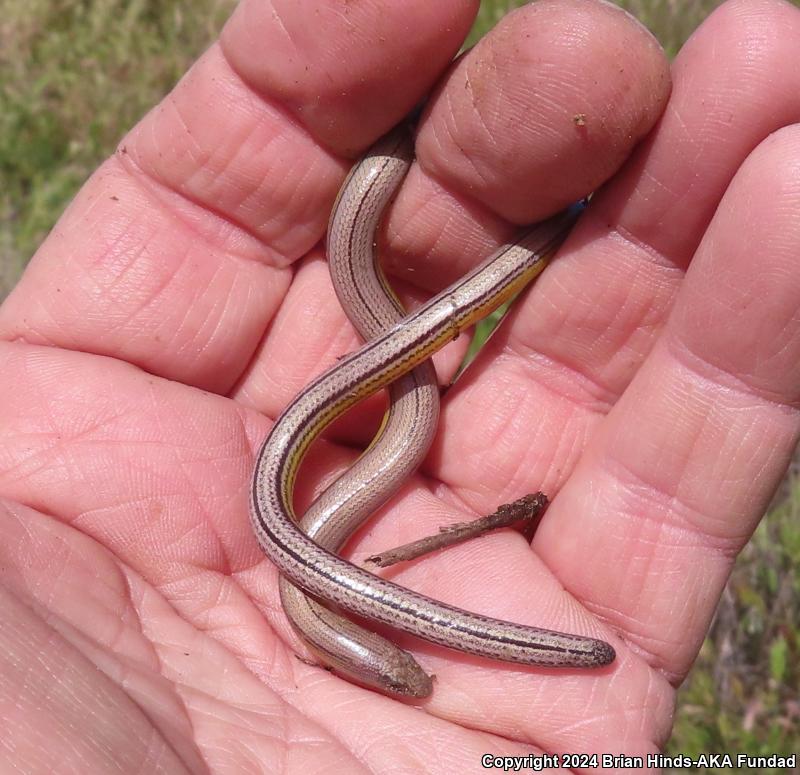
583 722
293 308
482 66
515 478
281 26
127 263
708 372
448 123
579 388
48 313
467 219
763 449
637 640
207 619
685 452
492 433
648 566
518 345
247 296
666 505
92 203
200 158
274 257
155 297
211 325
644 645
218 552
117 262
453 222
276 218
20 469
658 259
301 179
568 450
462 200
484 127
226 310
154 188
257 194
57 637
688 140
418 212
450 496
647 322
654 679
342 14
535 749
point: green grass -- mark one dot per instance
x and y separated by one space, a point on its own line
73 77
75 74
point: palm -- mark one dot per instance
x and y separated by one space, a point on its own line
134 588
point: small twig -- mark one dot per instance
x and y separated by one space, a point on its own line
526 508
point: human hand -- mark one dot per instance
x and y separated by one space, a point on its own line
653 401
